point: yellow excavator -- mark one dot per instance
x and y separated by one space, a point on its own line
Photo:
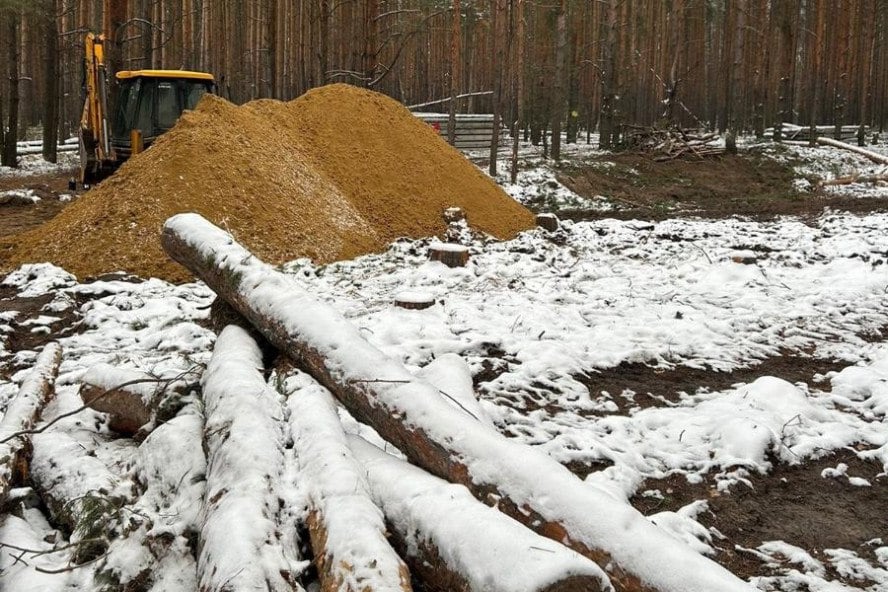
145 104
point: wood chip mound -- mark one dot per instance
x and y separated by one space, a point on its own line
334 174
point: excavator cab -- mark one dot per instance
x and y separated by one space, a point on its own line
145 104
148 104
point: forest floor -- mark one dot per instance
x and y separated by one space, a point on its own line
626 346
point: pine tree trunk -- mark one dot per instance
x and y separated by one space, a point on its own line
9 157
51 82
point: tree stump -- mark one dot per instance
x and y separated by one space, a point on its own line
744 257
414 300
548 221
449 254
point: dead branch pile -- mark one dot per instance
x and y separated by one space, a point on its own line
671 143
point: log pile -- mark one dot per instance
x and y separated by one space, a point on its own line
442 438
330 453
671 143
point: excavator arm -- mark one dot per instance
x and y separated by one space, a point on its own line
95 136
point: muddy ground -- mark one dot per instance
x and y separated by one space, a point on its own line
791 503
18 218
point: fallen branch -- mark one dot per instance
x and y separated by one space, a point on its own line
24 412
347 530
499 555
523 481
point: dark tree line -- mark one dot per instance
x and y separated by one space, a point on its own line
547 65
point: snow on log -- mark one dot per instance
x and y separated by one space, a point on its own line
873 156
856 178
548 222
347 529
24 412
239 546
155 551
78 488
446 441
458 543
450 374
129 396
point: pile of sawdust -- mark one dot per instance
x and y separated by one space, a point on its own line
336 173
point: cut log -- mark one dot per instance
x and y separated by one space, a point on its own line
24 412
379 391
157 545
132 398
855 179
458 543
449 254
244 441
347 529
873 156
78 488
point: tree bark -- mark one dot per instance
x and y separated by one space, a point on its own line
518 77
244 441
558 88
347 530
379 391
454 72
500 556
608 79
23 413
51 82
9 155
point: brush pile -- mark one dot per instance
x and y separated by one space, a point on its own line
671 143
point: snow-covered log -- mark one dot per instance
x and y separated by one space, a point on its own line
347 529
873 156
240 546
24 412
856 178
458 543
79 489
446 441
155 552
129 396
450 374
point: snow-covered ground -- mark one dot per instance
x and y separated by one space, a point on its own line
544 308
33 164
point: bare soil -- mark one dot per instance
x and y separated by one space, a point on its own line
792 503
19 218
750 184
